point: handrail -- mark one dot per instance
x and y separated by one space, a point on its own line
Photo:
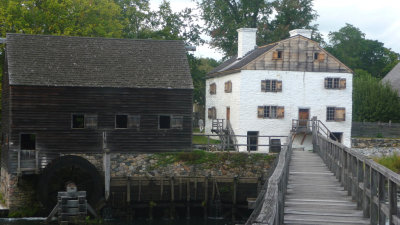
270 201
371 185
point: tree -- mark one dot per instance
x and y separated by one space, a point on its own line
224 17
199 67
95 18
372 100
350 46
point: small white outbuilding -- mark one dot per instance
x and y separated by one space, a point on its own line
264 90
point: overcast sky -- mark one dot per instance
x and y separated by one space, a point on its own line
379 20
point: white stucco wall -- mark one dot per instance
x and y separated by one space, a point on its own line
222 100
299 90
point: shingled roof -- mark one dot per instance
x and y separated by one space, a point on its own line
393 77
233 64
42 60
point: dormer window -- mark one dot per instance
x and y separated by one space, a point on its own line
277 55
319 56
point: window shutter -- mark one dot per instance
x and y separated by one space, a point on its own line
280 112
134 121
275 55
230 86
326 82
279 86
210 112
213 89
260 112
264 85
91 121
321 57
342 83
340 114
214 113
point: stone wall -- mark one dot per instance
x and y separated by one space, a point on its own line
17 193
20 192
374 142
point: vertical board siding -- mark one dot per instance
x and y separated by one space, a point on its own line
46 111
5 117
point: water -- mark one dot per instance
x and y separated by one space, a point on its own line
193 221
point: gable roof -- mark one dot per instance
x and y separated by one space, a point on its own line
393 77
234 64
43 60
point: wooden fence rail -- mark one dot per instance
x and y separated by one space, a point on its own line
270 202
372 185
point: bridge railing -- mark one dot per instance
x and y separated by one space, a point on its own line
373 186
269 207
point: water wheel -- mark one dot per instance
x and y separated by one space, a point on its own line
69 169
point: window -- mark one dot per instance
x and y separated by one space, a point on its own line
78 121
271 112
277 55
228 87
212 113
177 122
164 122
271 85
336 136
28 141
213 89
335 83
335 114
121 121
319 56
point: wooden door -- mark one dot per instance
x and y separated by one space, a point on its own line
304 116
228 113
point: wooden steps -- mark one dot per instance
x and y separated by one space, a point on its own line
315 196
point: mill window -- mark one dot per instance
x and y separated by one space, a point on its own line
78 121
335 83
28 141
164 122
121 121
335 114
271 85
271 112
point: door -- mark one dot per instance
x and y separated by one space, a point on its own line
304 116
228 113
252 140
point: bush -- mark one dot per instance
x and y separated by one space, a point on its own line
392 162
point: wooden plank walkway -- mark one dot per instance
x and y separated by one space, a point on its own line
315 196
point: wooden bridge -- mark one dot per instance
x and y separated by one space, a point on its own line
330 185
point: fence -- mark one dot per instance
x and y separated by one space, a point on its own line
372 186
270 202
375 129
212 142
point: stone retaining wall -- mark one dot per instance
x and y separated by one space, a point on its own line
374 142
20 192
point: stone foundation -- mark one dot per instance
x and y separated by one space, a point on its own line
374 142
20 192
17 193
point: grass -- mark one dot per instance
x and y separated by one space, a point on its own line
392 162
210 159
202 140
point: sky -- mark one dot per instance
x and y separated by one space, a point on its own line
379 20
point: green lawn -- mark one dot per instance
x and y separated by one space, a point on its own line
392 162
202 140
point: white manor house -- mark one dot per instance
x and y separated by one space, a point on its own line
264 90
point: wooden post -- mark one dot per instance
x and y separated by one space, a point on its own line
366 200
195 189
235 179
360 178
172 212
161 188
381 198
188 198
392 201
205 197
140 189
180 188
373 207
107 173
128 191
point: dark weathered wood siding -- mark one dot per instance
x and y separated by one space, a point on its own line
46 111
5 107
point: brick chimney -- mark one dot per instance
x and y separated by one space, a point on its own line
303 32
246 40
